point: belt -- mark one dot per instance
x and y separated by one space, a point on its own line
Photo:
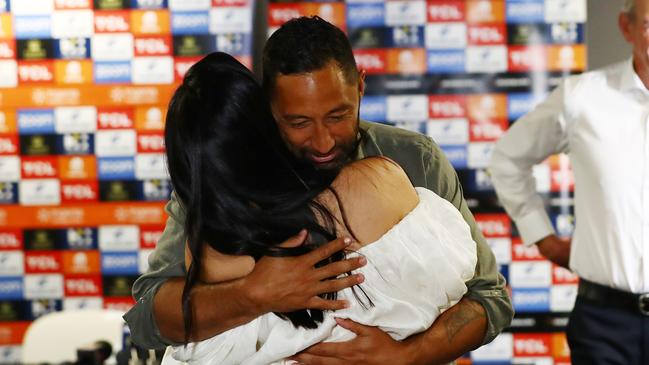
604 295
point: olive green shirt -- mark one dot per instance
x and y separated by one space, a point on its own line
426 166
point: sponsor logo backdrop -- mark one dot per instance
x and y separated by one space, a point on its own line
83 91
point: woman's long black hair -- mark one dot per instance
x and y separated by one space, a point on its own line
240 188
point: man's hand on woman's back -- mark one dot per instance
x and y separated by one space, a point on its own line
285 284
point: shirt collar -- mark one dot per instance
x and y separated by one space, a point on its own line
630 79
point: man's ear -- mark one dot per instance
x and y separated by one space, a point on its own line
361 82
624 22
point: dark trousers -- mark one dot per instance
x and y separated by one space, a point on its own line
602 335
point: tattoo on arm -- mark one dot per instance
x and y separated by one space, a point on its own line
461 317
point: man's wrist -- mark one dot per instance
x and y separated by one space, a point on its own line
412 351
249 298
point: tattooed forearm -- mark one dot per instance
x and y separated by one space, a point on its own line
463 313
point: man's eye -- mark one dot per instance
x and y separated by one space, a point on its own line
298 124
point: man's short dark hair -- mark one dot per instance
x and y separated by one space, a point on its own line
304 45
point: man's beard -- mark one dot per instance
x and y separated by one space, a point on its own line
315 174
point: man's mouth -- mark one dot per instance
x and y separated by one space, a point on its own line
323 159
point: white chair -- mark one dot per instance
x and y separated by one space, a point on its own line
55 337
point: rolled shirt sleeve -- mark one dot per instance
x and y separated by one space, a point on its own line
487 286
531 139
166 261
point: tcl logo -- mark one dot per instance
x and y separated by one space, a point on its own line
42 263
39 168
115 119
453 11
35 73
522 252
111 23
494 225
8 145
149 238
79 192
487 130
82 287
152 47
181 67
371 62
487 34
447 107
527 58
531 345
10 240
561 275
279 16
150 143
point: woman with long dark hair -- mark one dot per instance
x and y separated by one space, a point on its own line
243 193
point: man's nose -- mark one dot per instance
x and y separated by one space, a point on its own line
322 141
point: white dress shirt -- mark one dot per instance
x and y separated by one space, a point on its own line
601 120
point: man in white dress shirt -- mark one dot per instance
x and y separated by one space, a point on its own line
601 120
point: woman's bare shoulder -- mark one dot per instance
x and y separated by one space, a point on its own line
374 193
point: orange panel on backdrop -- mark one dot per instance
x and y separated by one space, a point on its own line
8 121
73 72
82 215
145 22
123 95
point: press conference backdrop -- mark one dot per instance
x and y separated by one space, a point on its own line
83 88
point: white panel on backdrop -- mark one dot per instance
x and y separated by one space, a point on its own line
452 35
407 108
40 192
565 11
411 12
73 23
8 73
153 70
32 7
230 20
112 47
81 119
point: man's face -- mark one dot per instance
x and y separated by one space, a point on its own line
317 115
635 30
